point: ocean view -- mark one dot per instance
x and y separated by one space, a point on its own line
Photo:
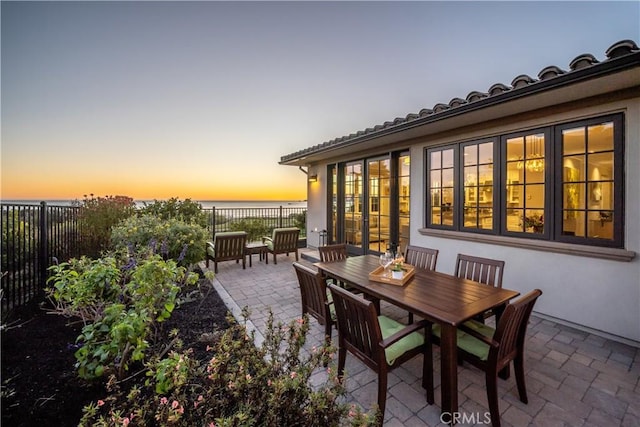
206 204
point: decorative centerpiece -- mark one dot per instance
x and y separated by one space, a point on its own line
396 271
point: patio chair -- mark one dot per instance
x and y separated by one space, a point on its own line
483 270
492 350
227 246
379 342
425 258
315 298
282 241
335 252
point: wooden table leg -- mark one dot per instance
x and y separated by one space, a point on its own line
449 370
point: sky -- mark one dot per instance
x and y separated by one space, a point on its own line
200 100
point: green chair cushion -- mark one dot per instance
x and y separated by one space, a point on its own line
332 307
269 244
469 343
211 250
389 327
275 230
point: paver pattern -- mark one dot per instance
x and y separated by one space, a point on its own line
574 378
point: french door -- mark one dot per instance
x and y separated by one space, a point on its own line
369 201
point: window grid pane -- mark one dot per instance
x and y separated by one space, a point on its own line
525 184
588 181
441 187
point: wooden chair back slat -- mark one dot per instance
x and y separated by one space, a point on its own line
483 270
512 327
425 258
330 253
313 292
358 327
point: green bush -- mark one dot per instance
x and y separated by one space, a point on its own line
171 238
186 211
98 215
17 242
255 228
241 385
121 300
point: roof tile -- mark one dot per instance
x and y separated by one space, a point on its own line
618 49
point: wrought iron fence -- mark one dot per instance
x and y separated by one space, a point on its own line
34 237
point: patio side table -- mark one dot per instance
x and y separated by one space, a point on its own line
256 248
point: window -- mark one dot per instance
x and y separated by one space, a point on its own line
561 183
590 182
441 186
525 183
478 178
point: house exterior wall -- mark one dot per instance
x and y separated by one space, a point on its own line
598 294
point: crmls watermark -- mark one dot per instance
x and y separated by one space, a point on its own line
465 418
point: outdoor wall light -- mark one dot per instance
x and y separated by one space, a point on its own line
313 178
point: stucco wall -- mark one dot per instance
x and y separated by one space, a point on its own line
598 294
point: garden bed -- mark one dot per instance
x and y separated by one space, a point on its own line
40 386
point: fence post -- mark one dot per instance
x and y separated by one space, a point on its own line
280 218
213 221
43 244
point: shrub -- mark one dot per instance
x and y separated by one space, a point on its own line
98 215
241 385
171 238
186 211
18 244
255 228
121 300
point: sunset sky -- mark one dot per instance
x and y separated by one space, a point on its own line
201 99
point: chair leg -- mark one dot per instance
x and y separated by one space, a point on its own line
518 367
382 394
215 266
275 260
410 318
492 398
342 357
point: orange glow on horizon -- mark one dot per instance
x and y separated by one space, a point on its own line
66 188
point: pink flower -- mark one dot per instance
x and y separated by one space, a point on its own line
269 383
200 398
125 422
163 401
293 374
175 404
100 402
212 424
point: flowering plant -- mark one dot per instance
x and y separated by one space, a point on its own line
240 385
534 221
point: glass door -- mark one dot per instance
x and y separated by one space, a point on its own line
353 198
378 220
369 203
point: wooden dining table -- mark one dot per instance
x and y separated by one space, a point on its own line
438 297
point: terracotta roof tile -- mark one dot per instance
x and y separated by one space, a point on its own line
619 49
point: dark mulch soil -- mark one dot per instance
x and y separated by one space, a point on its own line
39 382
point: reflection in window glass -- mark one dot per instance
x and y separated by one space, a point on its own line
588 181
525 183
478 185
404 200
441 183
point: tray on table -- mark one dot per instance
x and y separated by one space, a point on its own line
379 275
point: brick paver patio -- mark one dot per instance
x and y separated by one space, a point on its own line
573 378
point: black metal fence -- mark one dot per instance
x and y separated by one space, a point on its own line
34 237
